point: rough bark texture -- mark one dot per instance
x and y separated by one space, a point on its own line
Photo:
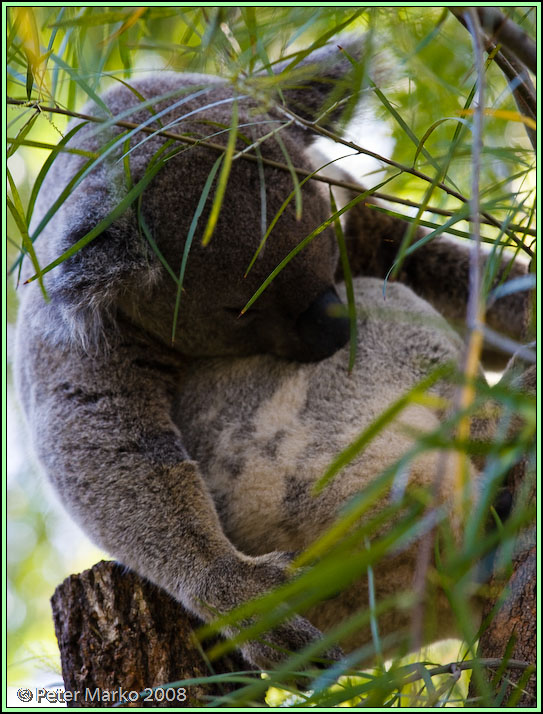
118 633
517 616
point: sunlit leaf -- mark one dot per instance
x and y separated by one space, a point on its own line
223 178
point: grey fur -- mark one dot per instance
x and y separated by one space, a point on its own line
281 439
280 443
99 379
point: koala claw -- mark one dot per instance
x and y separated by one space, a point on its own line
288 637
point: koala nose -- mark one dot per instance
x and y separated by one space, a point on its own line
322 327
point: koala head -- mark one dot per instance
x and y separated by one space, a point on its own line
119 274
293 317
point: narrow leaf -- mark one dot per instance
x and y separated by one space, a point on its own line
20 138
347 276
16 209
294 176
223 178
385 418
45 168
190 236
323 226
105 223
150 239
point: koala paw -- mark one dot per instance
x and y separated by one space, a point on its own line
288 637
251 577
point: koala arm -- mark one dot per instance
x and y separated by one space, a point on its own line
103 430
438 271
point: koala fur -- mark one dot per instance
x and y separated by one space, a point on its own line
264 430
257 423
100 379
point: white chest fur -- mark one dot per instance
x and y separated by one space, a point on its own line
264 430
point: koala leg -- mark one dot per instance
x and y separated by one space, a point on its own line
103 429
438 271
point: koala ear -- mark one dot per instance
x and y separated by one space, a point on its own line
314 87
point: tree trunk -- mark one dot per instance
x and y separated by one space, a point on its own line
513 630
118 634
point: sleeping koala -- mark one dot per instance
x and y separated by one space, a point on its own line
98 373
264 430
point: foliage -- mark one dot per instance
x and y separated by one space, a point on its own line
422 88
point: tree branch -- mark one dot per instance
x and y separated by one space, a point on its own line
509 34
405 169
522 88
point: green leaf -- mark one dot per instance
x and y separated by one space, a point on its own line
101 18
104 223
405 127
29 81
293 174
150 239
46 166
427 133
52 147
323 226
15 206
188 242
347 276
263 199
80 82
282 209
76 180
19 140
383 420
223 178
320 41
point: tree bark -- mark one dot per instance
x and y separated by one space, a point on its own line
516 619
118 635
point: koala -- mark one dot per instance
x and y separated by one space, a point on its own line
99 375
264 430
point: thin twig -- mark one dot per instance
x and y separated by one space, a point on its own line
489 220
443 212
473 349
522 89
474 300
452 667
525 92
349 185
424 554
405 169
503 30
475 313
